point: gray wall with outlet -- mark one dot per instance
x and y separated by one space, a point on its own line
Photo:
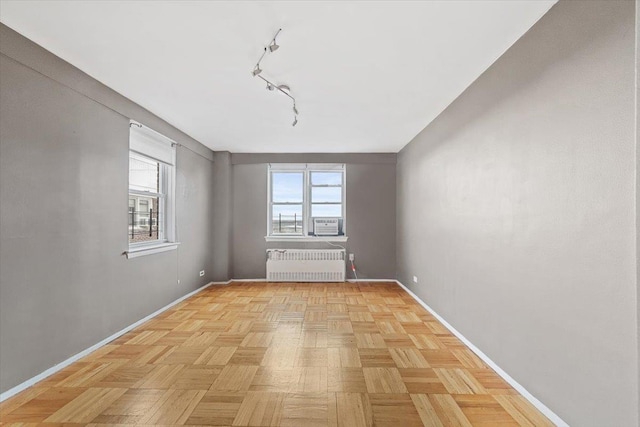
516 212
370 217
64 283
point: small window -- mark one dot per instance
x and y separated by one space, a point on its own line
151 183
301 193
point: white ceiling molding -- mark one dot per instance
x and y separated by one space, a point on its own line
369 75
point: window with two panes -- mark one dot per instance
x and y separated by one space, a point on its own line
301 194
151 164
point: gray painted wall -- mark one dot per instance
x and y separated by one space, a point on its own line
516 211
222 217
370 193
638 193
63 217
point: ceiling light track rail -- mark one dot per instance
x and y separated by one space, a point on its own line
282 88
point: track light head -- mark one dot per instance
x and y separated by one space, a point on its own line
270 86
273 46
257 70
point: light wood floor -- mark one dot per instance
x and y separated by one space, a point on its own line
260 354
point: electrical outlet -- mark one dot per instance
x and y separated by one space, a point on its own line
415 279
201 273
352 257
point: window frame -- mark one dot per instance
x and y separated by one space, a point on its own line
166 192
306 170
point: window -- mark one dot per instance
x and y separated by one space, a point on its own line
326 194
151 185
287 205
300 193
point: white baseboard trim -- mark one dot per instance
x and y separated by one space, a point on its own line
513 383
264 280
52 370
228 282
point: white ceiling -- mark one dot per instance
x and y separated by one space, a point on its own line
368 75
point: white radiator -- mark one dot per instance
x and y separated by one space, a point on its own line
305 265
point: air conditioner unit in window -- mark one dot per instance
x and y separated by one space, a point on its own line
325 226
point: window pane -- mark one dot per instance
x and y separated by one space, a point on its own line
326 178
320 211
326 194
144 174
287 187
145 218
286 219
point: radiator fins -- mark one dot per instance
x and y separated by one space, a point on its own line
305 265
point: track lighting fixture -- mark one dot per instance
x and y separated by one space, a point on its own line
273 46
282 88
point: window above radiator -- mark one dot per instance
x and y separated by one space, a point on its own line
306 202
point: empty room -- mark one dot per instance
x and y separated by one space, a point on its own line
319 213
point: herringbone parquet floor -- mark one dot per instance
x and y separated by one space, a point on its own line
262 354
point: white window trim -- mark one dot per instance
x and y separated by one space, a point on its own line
150 249
167 238
282 238
306 169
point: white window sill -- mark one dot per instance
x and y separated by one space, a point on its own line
136 252
306 238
